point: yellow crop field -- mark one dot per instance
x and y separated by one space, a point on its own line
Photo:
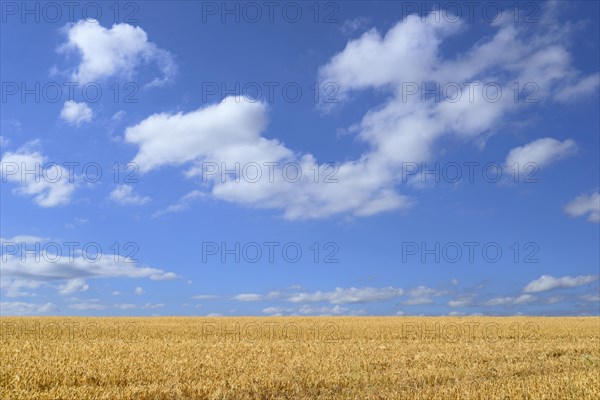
300 358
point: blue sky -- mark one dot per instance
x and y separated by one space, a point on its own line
379 105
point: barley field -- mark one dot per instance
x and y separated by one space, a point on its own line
300 358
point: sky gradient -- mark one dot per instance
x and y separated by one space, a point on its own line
331 158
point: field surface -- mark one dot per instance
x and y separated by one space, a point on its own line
300 358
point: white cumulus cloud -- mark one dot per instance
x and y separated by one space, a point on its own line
510 301
67 271
76 113
585 204
48 183
117 51
540 152
124 194
73 285
403 128
20 308
548 282
348 295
